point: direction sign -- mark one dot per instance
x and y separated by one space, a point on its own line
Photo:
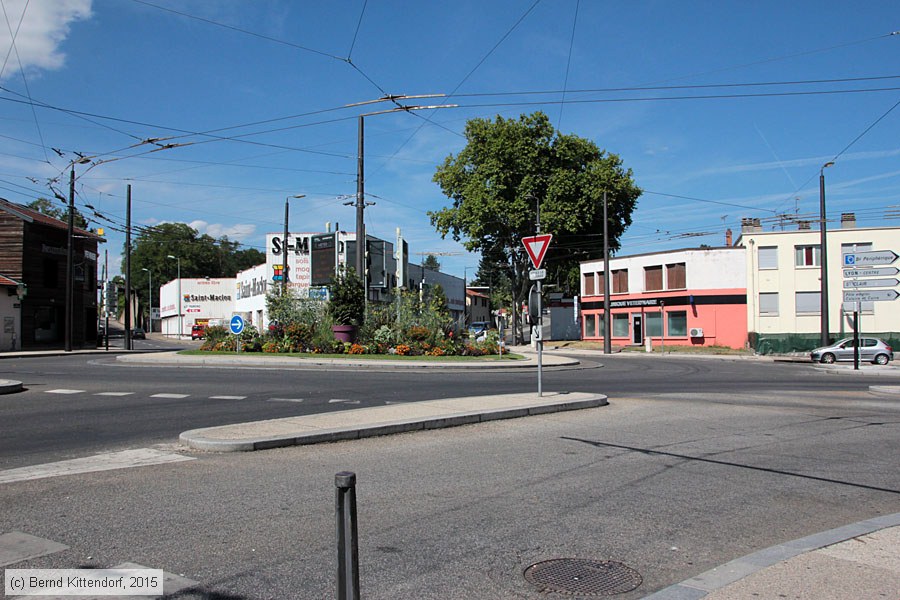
877 272
236 324
875 257
536 246
536 274
870 283
871 296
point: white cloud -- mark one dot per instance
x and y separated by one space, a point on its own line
237 231
42 27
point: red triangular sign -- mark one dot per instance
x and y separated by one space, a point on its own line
536 246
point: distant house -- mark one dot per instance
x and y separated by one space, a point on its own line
33 263
478 307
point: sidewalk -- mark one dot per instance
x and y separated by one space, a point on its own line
858 561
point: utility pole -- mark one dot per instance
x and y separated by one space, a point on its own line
70 262
128 267
607 336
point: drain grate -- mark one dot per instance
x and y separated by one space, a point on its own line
578 576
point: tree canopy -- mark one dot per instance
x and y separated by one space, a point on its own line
506 169
49 208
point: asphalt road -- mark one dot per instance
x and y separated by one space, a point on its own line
78 405
714 461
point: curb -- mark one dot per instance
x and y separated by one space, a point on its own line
306 434
724 575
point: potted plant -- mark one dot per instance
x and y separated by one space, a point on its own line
346 304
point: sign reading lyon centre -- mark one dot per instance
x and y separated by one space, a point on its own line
536 246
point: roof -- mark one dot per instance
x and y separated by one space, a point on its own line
32 216
660 252
4 280
470 292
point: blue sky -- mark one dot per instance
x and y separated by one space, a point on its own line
267 81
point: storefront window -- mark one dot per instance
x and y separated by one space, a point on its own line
620 325
676 323
590 325
653 324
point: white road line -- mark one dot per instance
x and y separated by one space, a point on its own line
342 401
16 546
63 391
100 462
170 396
227 397
113 393
285 399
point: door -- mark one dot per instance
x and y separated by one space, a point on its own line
637 329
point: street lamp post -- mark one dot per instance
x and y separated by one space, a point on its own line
180 323
284 244
149 299
823 256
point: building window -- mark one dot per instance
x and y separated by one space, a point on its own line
589 289
807 256
590 325
768 257
675 277
601 326
768 304
620 325
51 273
808 303
676 323
653 323
620 281
601 290
653 280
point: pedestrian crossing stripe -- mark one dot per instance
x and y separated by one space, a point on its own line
64 391
175 396
227 397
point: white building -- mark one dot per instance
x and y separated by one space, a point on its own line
251 287
188 302
783 271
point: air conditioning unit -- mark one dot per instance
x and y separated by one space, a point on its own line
696 332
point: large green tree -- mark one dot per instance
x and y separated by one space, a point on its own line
506 169
49 208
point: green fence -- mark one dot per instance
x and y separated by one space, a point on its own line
785 343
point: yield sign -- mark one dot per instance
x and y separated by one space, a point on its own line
536 246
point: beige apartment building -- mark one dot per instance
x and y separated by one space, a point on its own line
784 286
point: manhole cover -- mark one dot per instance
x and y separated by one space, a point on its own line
583 577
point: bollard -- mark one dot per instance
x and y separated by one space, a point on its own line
348 547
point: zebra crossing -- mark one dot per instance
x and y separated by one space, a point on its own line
180 396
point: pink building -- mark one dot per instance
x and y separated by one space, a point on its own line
683 297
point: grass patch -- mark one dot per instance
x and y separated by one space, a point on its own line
392 357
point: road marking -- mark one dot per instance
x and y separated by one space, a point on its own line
227 397
172 583
286 399
124 459
342 401
63 391
16 546
114 394
170 396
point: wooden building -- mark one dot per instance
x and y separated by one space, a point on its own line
33 252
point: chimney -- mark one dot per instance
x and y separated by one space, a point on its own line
750 225
848 220
803 225
728 237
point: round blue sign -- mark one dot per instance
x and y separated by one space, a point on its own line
237 324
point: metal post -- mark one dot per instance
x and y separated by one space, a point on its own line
823 252
128 345
348 544
607 335
540 319
70 263
360 207
106 300
856 337
284 242
662 326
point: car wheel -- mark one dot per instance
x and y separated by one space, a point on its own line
881 359
828 358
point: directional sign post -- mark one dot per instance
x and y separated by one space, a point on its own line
875 272
870 283
237 327
871 295
867 259
536 247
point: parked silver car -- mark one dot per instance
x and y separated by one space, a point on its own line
870 350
